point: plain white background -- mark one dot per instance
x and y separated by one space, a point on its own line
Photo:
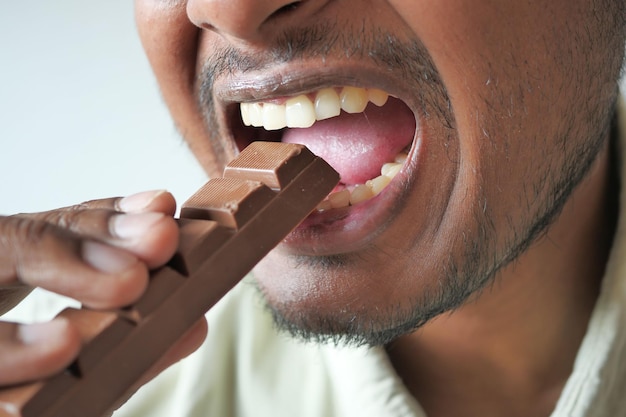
80 113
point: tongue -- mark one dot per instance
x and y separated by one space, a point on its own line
357 145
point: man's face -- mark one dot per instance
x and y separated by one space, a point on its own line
500 106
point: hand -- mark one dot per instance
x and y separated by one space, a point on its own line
98 253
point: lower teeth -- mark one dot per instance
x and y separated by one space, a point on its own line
363 192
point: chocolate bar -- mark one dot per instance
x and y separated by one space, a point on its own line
226 227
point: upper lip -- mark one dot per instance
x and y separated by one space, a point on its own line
287 80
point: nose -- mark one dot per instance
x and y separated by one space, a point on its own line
240 19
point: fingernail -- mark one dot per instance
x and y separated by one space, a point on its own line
132 226
139 201
39 333
106 258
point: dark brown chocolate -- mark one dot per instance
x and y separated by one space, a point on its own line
225 229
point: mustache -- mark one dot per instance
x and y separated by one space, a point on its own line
322 41
407 59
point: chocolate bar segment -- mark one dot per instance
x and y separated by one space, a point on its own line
216 276
197 239
272 163
228 201
100 331
261 222
163 282
35 399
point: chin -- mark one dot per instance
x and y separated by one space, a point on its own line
341 300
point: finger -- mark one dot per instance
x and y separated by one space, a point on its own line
148 230
151 236
39 254
159 201
36 351
188 344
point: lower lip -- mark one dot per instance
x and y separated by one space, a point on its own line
344 230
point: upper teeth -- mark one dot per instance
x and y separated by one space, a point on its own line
304 110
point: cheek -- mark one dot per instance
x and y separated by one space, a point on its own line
171 44
503 54
506 68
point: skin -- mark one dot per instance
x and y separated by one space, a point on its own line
501 218
513 103
107 260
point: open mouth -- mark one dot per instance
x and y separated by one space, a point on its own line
363 133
